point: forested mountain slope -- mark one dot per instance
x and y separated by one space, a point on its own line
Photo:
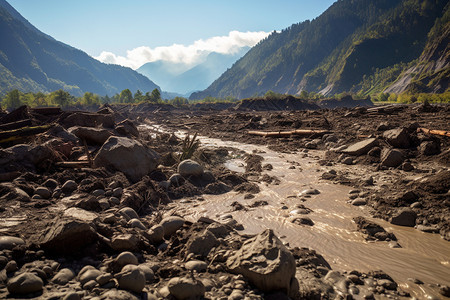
355 45
32 61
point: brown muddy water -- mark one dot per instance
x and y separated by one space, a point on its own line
422 256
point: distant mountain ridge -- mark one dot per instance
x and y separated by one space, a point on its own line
32 61
185 79
360 46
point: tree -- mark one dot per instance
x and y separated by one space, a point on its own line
12 99
155 97
90 99
126 96
138 96
61 98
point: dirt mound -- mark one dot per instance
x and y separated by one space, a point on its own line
288 103
346 101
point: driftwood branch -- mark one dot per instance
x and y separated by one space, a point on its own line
434 131
298 132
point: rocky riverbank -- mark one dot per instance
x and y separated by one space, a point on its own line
83 205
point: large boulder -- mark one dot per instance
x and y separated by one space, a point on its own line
127 156
265 262
68 236
398 137
91 134
360 148
127 128
189 167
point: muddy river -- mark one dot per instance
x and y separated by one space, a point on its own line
422 256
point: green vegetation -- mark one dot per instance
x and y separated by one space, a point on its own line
189 147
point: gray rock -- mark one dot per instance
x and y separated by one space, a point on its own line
127 128
127 156
91 134
69 186
87 274
156 234
202 244
361 148
171 225
302 221
398 137
128 213
429 148
197 265
347 161
124 242
131 278
67 236
359 202
43 192
404 217
104 278
115 294
407 166
219 230
136 223
9 242
148 273
63 276
186 288
391 157
189 167
265 262
71 296
25 283
309 192
125 258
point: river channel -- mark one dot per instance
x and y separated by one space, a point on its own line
422 256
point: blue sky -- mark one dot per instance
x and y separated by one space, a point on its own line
118 27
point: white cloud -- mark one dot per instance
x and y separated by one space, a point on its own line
190 55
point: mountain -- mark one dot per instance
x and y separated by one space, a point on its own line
183 78
360 46
32 61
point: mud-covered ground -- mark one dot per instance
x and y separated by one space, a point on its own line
420 179
84 196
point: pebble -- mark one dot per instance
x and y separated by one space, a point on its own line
148 273
72 296
309 192
125 258
347 161
156 234
359 202
11 266
117 192
98 192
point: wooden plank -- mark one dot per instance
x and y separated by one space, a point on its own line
297 132
15 125
22 132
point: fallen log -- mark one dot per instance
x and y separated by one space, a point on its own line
47 111
15 125
73 164
434 131
11 135
298 132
